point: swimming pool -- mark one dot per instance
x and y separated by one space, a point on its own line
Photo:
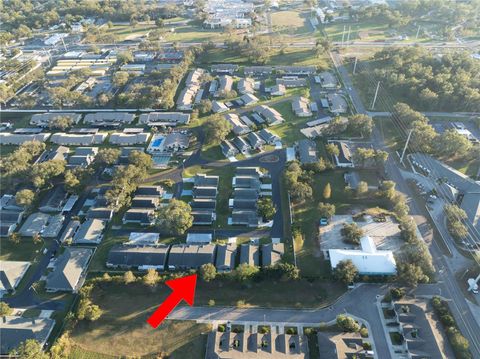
156 145
157 142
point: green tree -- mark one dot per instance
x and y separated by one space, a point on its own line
332 149
301 191
151 278
266 209
360 124
208 272
120 78
362 188
352 233
43 173
5 309
347 324
24 197
327 191
14 237
411 274
345 271
175 218
30 349
129 277
205 106
326 210
62 347
453 144
245 272
107 156
60 123
216 129
125 57
141 160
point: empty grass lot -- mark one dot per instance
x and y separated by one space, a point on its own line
290 22
123 329
128 32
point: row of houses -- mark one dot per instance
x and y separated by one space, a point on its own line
253 140
146 200
192 93
204 202
247 189
225 257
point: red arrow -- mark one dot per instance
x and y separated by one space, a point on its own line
183 288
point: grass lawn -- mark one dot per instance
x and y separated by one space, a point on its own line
26 250
224 188
290 22
213 153
127 32
189 33
289 131
101 254
299 57
123 329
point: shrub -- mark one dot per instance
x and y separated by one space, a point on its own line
364 332
221 328
367 346
397 293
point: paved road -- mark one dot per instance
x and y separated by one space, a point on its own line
447 286
360 302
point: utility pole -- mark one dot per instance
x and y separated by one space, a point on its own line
64 46
406 145
348 36
376 94
343 34
418 32
355 65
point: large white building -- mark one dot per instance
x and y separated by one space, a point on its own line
368 260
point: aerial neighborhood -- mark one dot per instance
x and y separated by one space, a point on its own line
315 164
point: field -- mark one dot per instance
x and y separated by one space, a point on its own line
290 22
123 329
124 32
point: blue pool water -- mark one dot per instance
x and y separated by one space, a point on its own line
157 142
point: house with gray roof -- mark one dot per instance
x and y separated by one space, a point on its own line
219 107
255 140
291 81
301 107
277 90
243 204
203 204
225 84
245 194
90 232
250 254
246 85
69 270
53 226
224 68
129 139
78 139
141 257
246 182
54 200
176 141
244 218
203 217
327 80
9 203
296 70
149 191
241 144
344 158
272 116
228 149
11 274
112 119
249 171
9 220
145 202
307 151
205 192
103 213
268 136
239 127
15 330
7 138
142 216
203 180
226 257
59 153
258 70
249 99
34 224
44 119
190 256
272 253
164 119
337 103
